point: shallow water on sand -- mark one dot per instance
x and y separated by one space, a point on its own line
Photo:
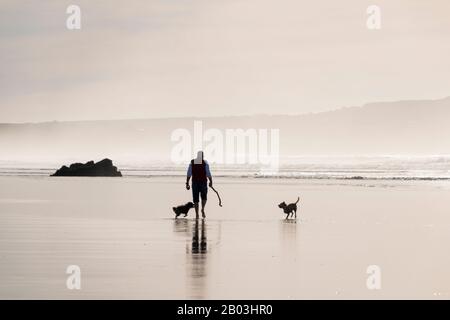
122 234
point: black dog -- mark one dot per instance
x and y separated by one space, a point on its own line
289 208
183 209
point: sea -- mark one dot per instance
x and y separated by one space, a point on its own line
386 167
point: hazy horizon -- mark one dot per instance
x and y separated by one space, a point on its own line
237 115
397 128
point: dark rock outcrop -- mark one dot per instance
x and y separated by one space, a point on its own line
102 168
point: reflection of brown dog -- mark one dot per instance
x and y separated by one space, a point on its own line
289 209
183 209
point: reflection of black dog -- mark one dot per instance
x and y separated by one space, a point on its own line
289 208
183 209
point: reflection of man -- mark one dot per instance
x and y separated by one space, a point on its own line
197 261
199 245
199 171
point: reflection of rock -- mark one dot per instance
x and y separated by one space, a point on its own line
102 168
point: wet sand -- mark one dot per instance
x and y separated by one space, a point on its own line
122 234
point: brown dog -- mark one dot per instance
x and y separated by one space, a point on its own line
289 209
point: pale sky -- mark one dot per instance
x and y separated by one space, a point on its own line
171 58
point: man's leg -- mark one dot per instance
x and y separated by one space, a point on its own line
195 197
196 209
203 208
204 197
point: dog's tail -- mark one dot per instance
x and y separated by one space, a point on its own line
298 199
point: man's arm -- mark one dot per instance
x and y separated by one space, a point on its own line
188 176
210 182
208 174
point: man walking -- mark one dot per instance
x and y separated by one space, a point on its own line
199 171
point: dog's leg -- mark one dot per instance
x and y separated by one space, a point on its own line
295 213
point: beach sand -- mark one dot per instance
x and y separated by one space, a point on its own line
121 232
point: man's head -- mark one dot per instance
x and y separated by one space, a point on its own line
199 158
